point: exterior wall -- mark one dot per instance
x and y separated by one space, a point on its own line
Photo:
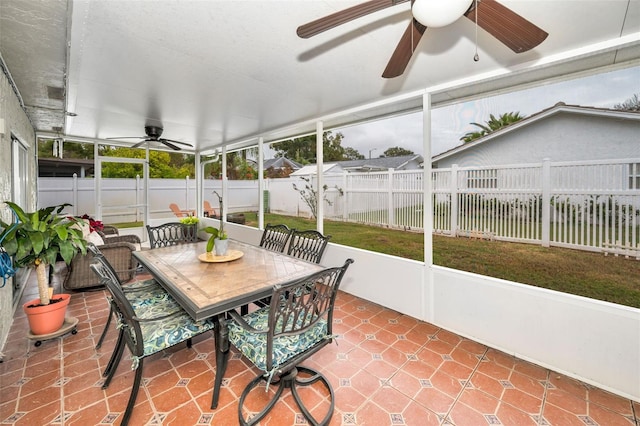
560 137
16 122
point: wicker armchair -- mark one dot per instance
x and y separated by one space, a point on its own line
116 248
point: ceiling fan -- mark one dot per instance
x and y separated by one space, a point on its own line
153 135
508 27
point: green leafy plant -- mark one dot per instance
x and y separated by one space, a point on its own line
39 238
189 220
215 232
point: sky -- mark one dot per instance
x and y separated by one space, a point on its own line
602 90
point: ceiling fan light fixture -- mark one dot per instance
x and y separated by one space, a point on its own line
439 13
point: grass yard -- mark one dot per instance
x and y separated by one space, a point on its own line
612 279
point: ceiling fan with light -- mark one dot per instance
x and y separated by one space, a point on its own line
153 135
508 27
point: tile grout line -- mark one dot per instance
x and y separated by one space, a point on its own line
466 385
540 420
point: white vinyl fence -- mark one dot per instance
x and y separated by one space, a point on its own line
587 205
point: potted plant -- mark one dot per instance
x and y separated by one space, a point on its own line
218 238
37 240
191 227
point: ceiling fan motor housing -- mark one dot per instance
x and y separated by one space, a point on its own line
153 132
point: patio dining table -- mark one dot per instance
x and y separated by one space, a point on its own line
208 286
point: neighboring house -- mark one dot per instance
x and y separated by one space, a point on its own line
280 167
65 167
560 133
405 162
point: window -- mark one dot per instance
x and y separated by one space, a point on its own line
20 175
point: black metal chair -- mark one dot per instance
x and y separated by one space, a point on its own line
275 237
278 337
142 294
143 336
170 234
308 245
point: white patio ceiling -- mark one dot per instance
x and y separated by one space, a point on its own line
217 72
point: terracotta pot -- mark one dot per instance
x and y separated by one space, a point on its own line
46 319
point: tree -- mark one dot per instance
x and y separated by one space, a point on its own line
397 152
493 124
352 154
162 164
303 150
310 196
631 104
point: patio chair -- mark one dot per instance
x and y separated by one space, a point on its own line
179 212
145 296
118 251
308 245
277 338
209 211
144 336
275 237
170 234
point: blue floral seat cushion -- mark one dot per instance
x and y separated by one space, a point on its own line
148 299
162 334
254 345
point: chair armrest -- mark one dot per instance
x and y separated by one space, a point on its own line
110 230
132 239
242 323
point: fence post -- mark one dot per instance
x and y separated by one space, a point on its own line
345 199
392 215
75 194
546 202
186 193
454 200
137 197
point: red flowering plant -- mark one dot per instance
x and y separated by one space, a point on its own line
94 225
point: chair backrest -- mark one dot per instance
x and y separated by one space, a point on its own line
99 256
275 237
305 306
208 210
122 307
308 245
176 210
171 234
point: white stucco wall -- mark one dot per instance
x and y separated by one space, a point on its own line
564 136
15 121
593 341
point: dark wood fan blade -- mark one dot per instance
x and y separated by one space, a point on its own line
511 29
139 144
404 50
125 137
339 18
169 144
177 142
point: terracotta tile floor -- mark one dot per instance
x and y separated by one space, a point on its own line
387 369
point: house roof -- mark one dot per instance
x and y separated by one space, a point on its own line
558 108
381 163
280 162
219 73
370 164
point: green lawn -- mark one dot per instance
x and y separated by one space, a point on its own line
613 279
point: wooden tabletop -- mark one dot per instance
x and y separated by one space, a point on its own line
205 289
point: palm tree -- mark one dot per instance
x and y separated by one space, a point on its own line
492 125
